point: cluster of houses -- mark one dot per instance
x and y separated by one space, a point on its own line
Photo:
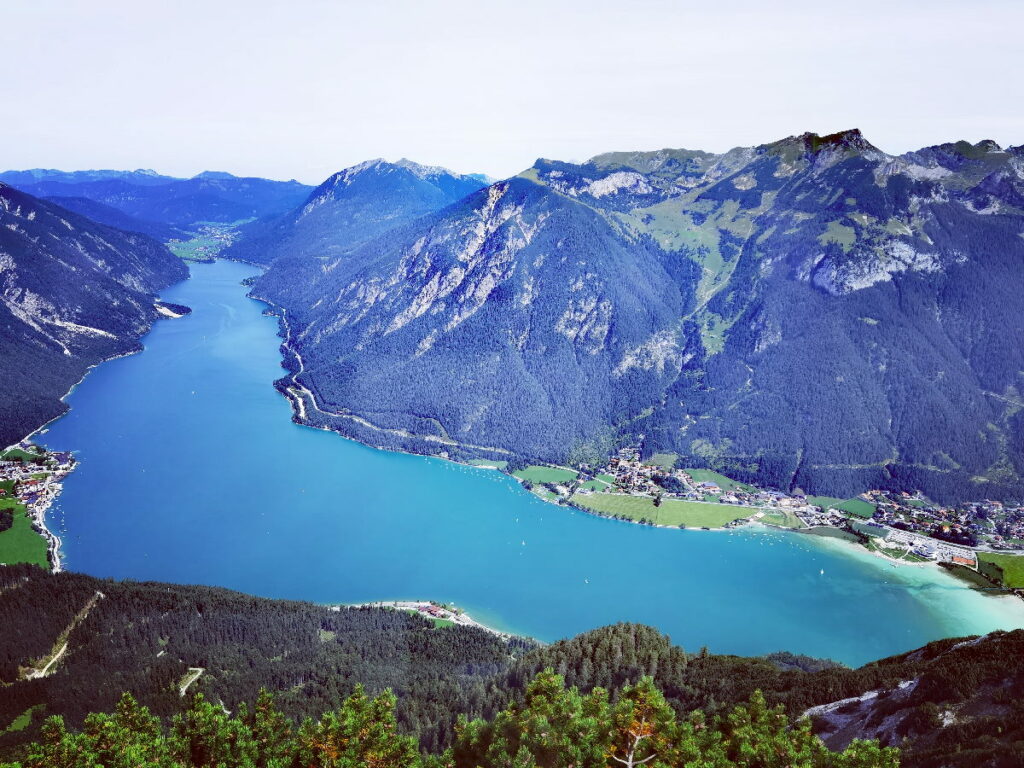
926 547
32 476
631 475
990 524
901 521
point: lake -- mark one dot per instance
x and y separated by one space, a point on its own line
191 471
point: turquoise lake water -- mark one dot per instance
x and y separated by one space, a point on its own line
191 471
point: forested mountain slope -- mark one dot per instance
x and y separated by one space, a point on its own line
72 293
810 313
951 703
351 207
182 203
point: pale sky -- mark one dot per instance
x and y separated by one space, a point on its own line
301 89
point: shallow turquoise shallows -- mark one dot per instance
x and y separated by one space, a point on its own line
192 471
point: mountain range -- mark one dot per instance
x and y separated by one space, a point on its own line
211 196
812 313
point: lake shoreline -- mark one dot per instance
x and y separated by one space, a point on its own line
376 525
297 394
38 517
430 609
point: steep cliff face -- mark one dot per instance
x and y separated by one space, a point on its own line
812 312
72 293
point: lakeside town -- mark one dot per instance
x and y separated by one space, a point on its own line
985 537
30 481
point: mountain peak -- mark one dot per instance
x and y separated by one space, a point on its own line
428 173
215 175
813 143
423 171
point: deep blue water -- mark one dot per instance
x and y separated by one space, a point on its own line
191 471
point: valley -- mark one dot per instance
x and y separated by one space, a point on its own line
522 385
216 482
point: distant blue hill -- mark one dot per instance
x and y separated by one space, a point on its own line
353 206
179 203
113 217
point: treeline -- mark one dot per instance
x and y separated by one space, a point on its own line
554 726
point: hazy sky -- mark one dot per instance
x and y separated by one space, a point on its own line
303 88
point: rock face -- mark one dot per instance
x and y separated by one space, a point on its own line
808 313
72 293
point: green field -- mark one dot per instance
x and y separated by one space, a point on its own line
538 474
20 543
663 460
723 482
692 514
857 507
17 453
782 518
199 248
1012 567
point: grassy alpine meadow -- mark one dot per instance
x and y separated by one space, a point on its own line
539 474
1011 565
20 543
673 512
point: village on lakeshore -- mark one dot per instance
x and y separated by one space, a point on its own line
30 481
981 537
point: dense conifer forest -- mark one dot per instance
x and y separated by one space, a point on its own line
457 688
